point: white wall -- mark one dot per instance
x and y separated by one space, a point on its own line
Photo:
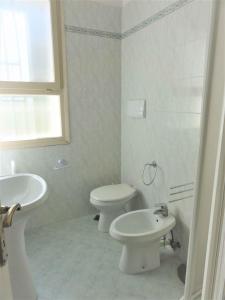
164 64
93 14
94 95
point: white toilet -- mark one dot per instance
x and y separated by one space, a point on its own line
110 200
140 232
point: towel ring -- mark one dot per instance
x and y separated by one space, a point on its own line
149 165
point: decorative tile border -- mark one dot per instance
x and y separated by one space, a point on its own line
93 32
157 16
118 36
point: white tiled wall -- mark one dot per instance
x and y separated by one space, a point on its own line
94 95
93 14
164 64
136 11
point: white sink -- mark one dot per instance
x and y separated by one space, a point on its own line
30 191
27 189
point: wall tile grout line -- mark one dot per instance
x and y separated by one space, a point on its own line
119 36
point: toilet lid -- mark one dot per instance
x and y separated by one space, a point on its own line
113 192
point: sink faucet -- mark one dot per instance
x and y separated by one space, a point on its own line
163 210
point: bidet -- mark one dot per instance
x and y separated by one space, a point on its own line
140 233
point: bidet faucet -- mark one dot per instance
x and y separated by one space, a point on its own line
163 210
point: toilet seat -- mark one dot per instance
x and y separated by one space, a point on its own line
112 193
111 201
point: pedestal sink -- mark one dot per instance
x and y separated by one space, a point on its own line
30 191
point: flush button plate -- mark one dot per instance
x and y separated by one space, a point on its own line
136 108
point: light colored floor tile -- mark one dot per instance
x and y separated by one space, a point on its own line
73 261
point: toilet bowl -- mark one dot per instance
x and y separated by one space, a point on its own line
140 232
110 200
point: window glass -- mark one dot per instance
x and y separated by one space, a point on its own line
29 117
26 48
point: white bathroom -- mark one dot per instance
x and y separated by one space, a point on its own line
102 110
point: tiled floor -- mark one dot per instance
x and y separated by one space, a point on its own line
73 261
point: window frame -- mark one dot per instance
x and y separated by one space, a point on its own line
58 87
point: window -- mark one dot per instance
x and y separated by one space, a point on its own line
33 98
